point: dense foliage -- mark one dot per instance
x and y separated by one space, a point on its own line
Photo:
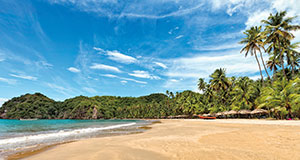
279 93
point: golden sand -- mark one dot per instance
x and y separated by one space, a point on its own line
190 139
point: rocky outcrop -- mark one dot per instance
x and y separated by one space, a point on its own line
95 112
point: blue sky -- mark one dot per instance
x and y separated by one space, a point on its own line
66 48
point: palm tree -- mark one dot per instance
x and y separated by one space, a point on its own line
201 84
293 56
219 80
220 87
254 42
243 94
272 63
282 95
278 34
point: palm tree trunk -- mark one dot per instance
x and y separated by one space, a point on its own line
282 66
293 71
262 78
263 62
274 75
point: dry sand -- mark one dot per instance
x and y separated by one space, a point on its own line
190 139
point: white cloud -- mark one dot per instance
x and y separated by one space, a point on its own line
203 65
297 36
178 37
123 78
3 100
90 90
136 81
174 80
73 69
161 65
291 6
219 47
59 89
110 75
138 9
123 82
105 67
117 56
255 77
256 17
143 74
24 77
9 81
98 49
183 73
180 12
2 59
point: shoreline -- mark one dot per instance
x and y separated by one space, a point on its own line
189 139
25 153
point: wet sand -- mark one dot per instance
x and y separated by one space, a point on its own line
190 139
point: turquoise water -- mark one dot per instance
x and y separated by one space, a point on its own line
19 134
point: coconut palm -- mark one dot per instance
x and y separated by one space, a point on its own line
282 95
253 43
278 34
201 84
243 94
293 56
272 63
219 80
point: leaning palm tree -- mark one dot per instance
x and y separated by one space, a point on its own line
254 42
278 34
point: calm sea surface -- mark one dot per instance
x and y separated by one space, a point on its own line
16 135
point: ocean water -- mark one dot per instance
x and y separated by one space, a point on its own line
17 135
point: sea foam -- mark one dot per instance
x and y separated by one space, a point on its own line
58 136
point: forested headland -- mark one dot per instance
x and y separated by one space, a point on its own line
278 93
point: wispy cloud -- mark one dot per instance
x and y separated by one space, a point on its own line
203 65
255 19
161 65
180 12
73 69
90 90
178 37
123 82
137 9
9 81
136 81
123 78
189 69
105 67
59 89
24 77
143 74
225 46
109 75
117 56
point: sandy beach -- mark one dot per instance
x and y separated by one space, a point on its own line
190 139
